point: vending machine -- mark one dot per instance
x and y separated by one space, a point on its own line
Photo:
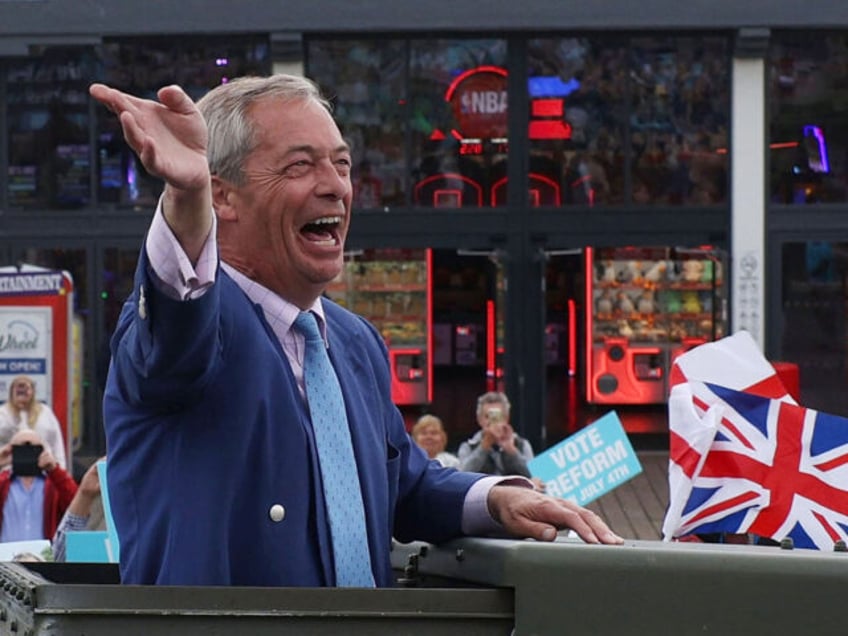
643 308
392 289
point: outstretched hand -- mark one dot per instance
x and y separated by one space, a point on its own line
169 136
526 513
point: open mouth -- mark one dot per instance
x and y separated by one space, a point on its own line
323 231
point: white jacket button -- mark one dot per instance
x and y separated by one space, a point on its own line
277 513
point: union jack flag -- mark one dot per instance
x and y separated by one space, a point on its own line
747 462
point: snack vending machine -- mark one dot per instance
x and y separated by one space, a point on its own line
391 288
643 308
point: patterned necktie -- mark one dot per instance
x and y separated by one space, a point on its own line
335 454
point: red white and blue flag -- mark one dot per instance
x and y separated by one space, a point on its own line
745 458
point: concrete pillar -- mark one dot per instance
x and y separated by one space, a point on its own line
748 183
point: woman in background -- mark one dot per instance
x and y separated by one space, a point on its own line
430 435
23 411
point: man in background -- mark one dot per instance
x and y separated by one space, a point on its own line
495 449
35 492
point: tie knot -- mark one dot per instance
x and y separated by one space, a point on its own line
307 325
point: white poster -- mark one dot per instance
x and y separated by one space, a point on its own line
26 339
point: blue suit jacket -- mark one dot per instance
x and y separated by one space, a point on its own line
206 431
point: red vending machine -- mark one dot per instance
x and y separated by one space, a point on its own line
391 288
643 308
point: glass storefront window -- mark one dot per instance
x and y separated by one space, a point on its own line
577 113
612 120
141 67
50 158
458 119
808 130
641 122
427 118
813 302
49 153
679 120
366 82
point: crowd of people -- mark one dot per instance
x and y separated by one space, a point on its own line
39 498
496 449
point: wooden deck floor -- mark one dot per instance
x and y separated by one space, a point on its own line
635 510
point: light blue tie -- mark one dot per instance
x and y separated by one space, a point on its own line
335 454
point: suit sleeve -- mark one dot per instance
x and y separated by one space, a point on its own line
165 350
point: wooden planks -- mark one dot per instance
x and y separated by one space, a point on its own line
635 510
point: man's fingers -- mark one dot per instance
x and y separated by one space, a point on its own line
588 525
526 513
175 99
111 98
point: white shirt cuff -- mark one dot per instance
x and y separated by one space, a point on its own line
172 267
476 519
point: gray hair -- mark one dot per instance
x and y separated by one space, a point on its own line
493 397
232 133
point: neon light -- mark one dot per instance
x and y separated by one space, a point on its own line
822 164
497 70
550 129
491 371
551 86
428 257
572 337
456 134
437 135
534 177
588 308
780 145
550 105
447 199
447 176
590 191
547 107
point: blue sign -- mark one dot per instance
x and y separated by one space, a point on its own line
113 545
87 547
588 464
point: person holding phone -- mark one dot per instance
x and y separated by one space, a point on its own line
495 449
35 492
24 411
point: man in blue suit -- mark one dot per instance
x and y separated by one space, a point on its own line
213 468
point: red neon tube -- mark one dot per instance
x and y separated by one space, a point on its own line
588 266
572 338
429 260
491 340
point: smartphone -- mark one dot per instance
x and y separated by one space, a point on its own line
25 459
494 416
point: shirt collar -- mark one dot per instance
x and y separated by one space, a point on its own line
279 312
